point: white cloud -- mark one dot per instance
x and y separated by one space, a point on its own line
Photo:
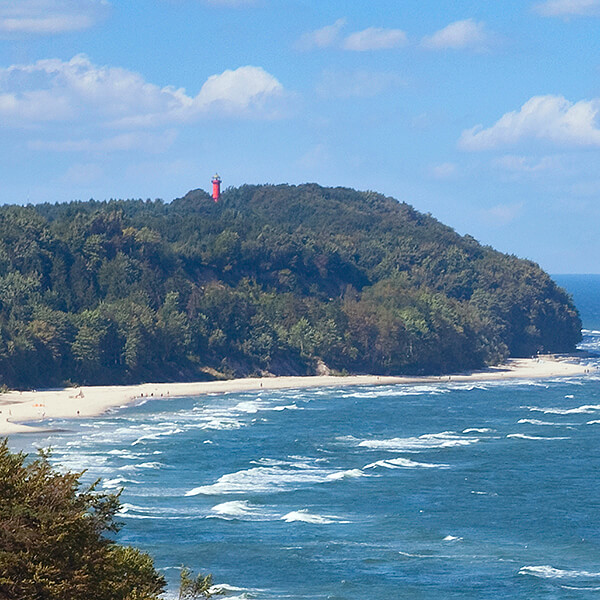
322 38
567 8
375 38
502 214
527 164
459 35
83 174
133 140
231 2
315 158
49 16
359 84
372 38
546 118
54 90
445 170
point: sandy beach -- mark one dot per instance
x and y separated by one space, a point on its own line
17 409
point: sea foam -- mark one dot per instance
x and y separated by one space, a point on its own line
404 463
304 516
430 441
522 436
548 572
265 480
585 409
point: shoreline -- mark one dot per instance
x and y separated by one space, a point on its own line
18 408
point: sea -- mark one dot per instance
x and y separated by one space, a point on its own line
443 491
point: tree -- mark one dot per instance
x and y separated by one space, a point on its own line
195 588
53 538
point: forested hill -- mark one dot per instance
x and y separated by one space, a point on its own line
278 279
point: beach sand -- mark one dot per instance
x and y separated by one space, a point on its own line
19 408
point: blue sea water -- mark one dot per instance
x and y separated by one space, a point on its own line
424 491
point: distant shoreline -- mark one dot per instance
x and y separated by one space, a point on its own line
19 408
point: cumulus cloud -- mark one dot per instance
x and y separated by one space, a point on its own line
547 118
459 35
372 38
357 84
55 90
49 16
567 8
375 38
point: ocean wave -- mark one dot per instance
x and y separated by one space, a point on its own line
452 538
242 510
522 436
548 572
397 390
429 441
250 406
349 474
221 424
581 588
478 430
404 463
157 435
585 409
304 516
144 465
538 422
117 482
264 480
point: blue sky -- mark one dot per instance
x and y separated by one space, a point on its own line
484 113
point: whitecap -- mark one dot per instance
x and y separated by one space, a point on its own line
117 482
430 441
349 474
478 430
522 436
580 588
538 422
304 516
264 480
250 406
239 509
585 409
155 436
221 424
145 465
548 572
404 463
452 538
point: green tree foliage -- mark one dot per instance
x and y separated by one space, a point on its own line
270 279
53 538
195 588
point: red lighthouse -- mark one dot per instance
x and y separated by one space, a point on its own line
216 181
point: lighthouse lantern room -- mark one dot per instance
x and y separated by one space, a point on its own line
216 193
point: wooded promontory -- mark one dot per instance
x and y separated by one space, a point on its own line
271 279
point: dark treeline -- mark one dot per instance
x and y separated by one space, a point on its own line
279 279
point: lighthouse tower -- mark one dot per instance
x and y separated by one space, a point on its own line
216 193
